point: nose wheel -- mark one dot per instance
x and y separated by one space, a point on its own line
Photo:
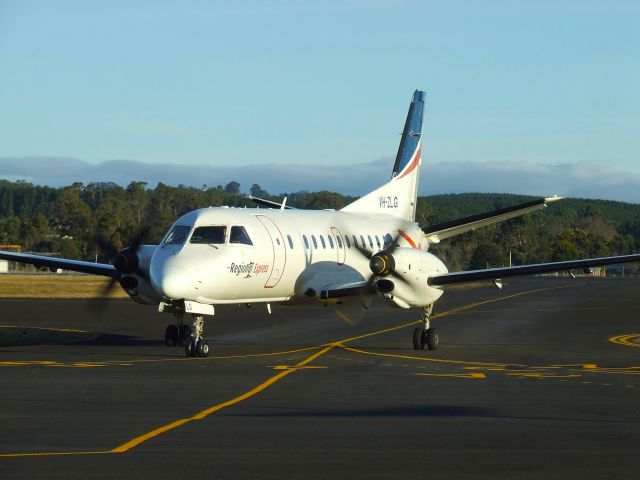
196 345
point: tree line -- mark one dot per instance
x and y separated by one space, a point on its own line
77 220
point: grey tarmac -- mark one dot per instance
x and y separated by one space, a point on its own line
538 380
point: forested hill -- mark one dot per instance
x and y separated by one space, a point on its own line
69 220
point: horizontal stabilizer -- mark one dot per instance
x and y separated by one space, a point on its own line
270 203
496 273
440 231
54 263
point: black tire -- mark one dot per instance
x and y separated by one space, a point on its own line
184 335
171 336
432 339
190 348
418 338
203 349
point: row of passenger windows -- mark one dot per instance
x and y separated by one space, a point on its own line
358 241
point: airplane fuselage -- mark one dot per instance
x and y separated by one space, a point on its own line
268 255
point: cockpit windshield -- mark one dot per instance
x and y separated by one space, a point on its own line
209 235
177 235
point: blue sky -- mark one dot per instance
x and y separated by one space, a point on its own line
510 85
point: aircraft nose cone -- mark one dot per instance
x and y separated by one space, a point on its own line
174 282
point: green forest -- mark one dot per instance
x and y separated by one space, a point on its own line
74 221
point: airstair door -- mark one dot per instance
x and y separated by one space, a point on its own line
340 246
279 251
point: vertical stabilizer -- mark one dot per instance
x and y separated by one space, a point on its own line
398 197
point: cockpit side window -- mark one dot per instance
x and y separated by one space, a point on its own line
239 235
177 235
209 235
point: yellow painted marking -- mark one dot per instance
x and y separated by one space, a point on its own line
203 414
50 454
542 375
49 329
293 367
422 359
629 340
453 375
53 363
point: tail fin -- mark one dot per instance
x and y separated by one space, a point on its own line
398 197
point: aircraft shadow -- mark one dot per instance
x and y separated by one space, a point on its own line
425 411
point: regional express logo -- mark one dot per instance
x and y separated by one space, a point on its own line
248 269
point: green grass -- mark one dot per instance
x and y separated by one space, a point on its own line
56 286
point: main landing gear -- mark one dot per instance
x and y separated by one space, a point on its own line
177 334
426 335
191 339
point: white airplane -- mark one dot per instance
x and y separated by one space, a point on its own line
372 247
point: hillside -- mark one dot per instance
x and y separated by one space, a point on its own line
73 221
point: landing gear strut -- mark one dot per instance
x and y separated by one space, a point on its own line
196 345
426 335
177 334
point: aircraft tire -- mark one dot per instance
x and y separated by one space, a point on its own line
171 336
432 339
190 348
184 335
418 338
203 349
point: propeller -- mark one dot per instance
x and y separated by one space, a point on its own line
125 261
382 263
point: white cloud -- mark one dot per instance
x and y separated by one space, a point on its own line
569 179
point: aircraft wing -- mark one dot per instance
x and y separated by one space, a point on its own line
499 273
440 231
103 269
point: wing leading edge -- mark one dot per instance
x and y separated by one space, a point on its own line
440 231
498 273
103 269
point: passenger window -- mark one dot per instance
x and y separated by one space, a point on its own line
290 242
209 235
239 235
177 235
370 241
330 241
346 239
306 242
387 240
339 240
355 241
315 243
378 242
362 242
324 245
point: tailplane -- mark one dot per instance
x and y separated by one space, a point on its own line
398 197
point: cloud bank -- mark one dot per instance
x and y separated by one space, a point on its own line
570 179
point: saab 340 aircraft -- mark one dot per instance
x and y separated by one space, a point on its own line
372 247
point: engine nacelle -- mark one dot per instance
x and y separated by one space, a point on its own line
405 283
136 284
139 289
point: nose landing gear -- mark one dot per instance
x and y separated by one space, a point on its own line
426 335
197 345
